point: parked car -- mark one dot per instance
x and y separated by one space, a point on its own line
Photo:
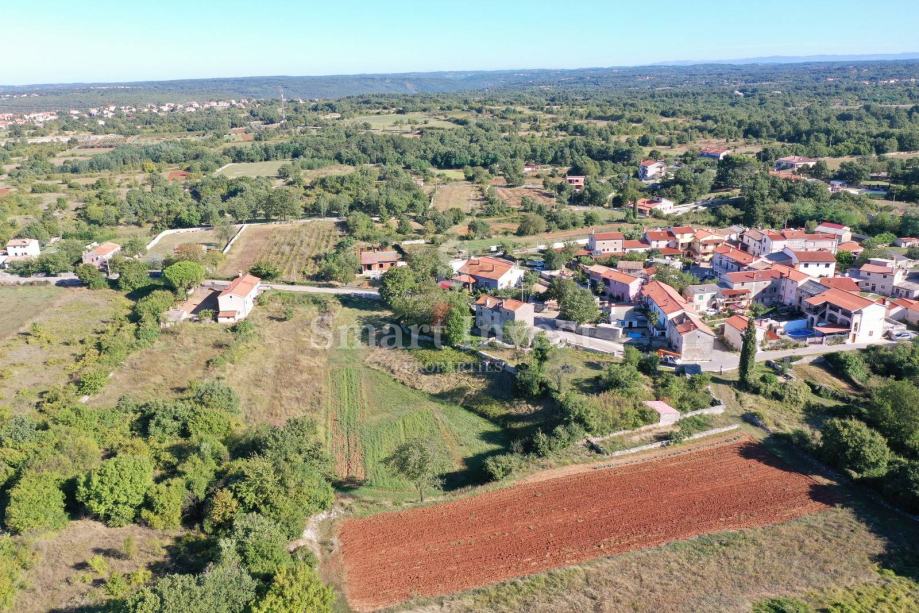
902 335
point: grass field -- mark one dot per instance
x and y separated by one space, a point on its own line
400 123
252 169
464 196
167 245
292 247
65 318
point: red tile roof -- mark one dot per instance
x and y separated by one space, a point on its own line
635 245
608 236
790 273
376 257
487 268
832 224
741 257
490 302
658 235
105 249
738 322
753 276
242 286
820 256
665 297
876 268
691 323
612 274
850 246
842 299
845 283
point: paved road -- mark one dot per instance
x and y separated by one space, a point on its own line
723 360
65 279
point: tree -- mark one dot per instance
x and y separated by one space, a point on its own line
623 378
457 324
90 276
164 504
296 589
893 411
116 490
184 275
396 283
517 333
578 305
418 462
36 503
853 446
132 274
261 544
531 224
748 354
265 270
479 228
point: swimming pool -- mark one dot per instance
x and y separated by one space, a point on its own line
634 335
800 333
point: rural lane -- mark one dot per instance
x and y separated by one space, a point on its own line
360 292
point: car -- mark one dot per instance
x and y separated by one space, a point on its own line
902 335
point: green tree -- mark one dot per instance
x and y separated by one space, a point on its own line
132 274
516 333
184 275
164 504
853 446
457 324
296 589
531 224
261 544
90 276
893 411
36 503
417 461
578 305
115 491
396 283
748 355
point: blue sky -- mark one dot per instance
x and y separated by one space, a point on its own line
53 41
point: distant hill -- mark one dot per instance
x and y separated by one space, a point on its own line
734 73
800 59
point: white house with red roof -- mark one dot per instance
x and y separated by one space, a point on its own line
492 273
689 336
837 312
23 248
704 244
616 285
576 182
819 263
794 162
842 232
726 258
100 255
602 243
879 276
237 300
492 313
649 206
734 328
649 170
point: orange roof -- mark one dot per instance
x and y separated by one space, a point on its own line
876 268
665 297
738 322
840 298
691 323
669 251
658 235
683 230
649 162
20 242
741 257
242 286
706 235
833 225
635 245
490 302
375 257
105 249
790 273
906 303
608 236
845 283
821 256
612 274
486 268
850 246
753 276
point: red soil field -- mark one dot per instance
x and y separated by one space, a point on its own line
530 528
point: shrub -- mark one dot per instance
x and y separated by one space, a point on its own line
500 466
164 505
851 445
266 271
114 491
688 427
261 544
92 381
90 276
36 503
295 589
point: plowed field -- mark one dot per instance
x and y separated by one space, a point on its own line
531 528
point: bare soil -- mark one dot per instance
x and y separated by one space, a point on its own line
530 528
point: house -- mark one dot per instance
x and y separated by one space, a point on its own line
684 236
651 169
766 242
904 309
715 153
850 247
689 336
727 259
704 244
236 301
763 285
701 297
375 263
879 276
659 239
576 182
663 300
100 255
843 233
818 263
648 206
789 284
635 246
601 243
794 162
492 313
492 273
23 248
734 328
530 168
907 241
842 313
617 286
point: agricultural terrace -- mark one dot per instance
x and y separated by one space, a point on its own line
513 196
533 527
293 247
464 196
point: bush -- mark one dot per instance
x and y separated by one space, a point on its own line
115 491
850 364
500 466
261 544
266 271
90 276
92 381
132 274
36 503
164 505
688 427
851 445
184 274
295 589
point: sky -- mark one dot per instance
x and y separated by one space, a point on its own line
55 41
